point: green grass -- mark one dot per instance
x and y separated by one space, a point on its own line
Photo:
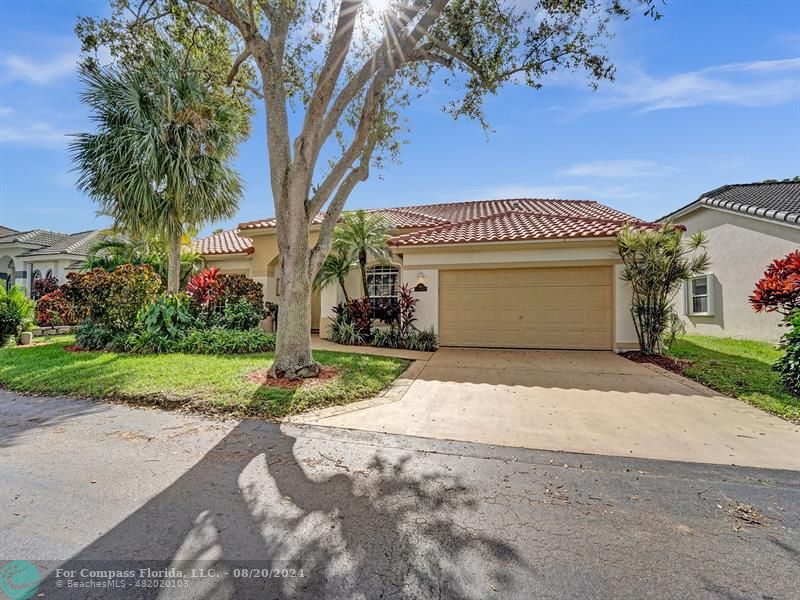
211 383
738 368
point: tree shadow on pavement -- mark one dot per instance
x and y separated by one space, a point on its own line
352 522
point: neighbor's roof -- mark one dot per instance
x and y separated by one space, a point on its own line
514 226
224 242
4 231
778 200
74 243
37 237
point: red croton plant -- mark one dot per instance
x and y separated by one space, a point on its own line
779 289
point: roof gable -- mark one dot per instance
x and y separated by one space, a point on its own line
778 201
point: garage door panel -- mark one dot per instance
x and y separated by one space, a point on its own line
526 308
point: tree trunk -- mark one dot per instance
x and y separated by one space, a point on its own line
344 291
174 265
362 263
293 359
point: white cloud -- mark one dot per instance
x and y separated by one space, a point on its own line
617 168
21 68
37 135
5 111
755 83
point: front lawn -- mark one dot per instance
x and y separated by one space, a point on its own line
212 383
738 368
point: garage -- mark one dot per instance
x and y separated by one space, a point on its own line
554 307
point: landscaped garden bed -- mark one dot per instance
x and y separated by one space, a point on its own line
237 385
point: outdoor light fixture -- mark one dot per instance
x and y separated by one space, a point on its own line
421 286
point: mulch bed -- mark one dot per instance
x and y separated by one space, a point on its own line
263 377
665 362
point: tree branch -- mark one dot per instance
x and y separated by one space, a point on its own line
237 64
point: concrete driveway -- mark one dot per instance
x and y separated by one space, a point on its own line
591 402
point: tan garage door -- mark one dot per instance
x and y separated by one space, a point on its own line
527 308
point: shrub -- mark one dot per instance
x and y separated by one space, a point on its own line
218 299
92 336
223 341
55 309
16 312
168 316
241 315
112 299
424 340
779 289
789 364
42 287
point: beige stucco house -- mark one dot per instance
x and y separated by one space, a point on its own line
524 273
748 226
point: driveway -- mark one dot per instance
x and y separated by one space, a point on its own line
96 489
591 402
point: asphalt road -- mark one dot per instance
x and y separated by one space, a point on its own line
248 509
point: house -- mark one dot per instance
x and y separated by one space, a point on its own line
520 273
26 256
748 226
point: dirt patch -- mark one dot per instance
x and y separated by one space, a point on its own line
263 377
665 362
73 348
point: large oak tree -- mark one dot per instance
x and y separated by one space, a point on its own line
335 76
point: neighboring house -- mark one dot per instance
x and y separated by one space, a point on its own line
26 256
748 226
523 273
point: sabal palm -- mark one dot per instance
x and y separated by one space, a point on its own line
159 162
335 268
362 234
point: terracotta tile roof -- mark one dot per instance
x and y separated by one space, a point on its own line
224 242
430 215
516 225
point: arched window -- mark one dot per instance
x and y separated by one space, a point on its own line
49 274
383 281
36 276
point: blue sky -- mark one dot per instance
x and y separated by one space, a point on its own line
708 95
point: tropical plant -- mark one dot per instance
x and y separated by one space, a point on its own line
335 268
43 286
406 308
91 336
656 262
16 312
779 289
345 332
789 364
204 289
226 341
240 315
158 164
168 316
387 338
115 250
362 234
423 340
112 299
55 308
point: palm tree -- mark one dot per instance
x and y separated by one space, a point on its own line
336 267
361 234
159 163
116 250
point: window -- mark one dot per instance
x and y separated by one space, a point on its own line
382 281
49 274
700 297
